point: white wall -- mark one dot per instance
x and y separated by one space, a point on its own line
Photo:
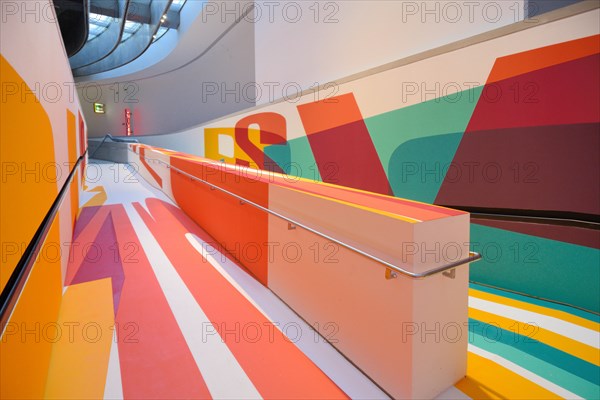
283 47
306 44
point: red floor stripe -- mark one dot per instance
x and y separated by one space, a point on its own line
156 362
277 368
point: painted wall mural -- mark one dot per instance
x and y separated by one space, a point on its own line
522 142
33 172
43 136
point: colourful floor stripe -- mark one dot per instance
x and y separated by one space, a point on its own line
545 307
488 380
156 362
561 368
175 292
282 367
546 384
532 332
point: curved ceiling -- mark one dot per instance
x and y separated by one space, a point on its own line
178 48
120 31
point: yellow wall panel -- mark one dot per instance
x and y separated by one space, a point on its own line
29 171
26 345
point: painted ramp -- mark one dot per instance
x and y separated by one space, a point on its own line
153 309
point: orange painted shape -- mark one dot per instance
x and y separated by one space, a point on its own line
156 177
79 362
236 226
26 196
340 111
543 57
71 138
74 197
25 348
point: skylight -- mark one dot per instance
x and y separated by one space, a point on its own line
102 20
98 24
130 28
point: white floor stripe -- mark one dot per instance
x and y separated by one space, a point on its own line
565 328
122 184
546 384
453 394
223 375
114 387
348 378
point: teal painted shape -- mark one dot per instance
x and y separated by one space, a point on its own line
295 158
576 375
526 299
389 131
418 167
539 267
440 116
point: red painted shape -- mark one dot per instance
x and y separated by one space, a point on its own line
558 95
276 367
272 131
156 177
128 122
236 226
342 145
155 360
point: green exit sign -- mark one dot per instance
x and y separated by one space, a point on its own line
99 108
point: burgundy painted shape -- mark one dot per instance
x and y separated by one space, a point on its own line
550 168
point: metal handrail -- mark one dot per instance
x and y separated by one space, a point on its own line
114 139
473 256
